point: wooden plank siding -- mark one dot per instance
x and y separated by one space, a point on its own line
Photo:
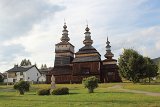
93 66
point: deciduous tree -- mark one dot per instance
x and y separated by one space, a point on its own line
134 67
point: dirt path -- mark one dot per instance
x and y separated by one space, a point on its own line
120 88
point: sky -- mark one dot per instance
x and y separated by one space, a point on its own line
31 28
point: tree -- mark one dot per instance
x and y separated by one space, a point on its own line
25 62
1 78
134 67
91 83
130 65
159 67
150 69
22 87
158 64
44 66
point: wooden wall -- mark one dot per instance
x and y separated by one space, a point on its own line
93 66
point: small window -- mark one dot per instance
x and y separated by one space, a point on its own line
110 73
37 74
85 70
14 80
28 78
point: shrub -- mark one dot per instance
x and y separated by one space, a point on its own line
91 83
22 86
60 91
43 92
1 78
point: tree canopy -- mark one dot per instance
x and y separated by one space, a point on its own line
150 68
1 78
22 86
91 83
43 66
134 67
25 62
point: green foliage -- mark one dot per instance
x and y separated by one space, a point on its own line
25 62
60 91
22 86
91 83
44 66
43 92
159 67
134 67
158 76
150 68
1 78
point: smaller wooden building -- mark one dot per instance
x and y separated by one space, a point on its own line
109 67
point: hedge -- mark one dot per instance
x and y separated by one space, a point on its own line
60 91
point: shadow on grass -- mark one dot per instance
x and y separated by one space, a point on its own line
157 83
8 97
31 94
73 93
114 92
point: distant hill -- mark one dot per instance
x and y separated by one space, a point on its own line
156 60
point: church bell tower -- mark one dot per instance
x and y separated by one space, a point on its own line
64 51
110 68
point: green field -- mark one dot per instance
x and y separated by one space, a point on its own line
78 97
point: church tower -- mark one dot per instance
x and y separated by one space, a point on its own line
110 69
64 55
87 60
64 51
108 54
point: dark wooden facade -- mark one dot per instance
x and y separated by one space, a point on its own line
70 67
85 69
110 73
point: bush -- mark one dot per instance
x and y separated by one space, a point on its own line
60 91
22 86
91 83
1 78
43 92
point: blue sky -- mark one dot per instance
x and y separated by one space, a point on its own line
30 28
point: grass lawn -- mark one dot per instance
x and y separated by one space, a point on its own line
150 88
78 97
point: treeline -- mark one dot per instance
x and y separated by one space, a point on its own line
135 67
27 62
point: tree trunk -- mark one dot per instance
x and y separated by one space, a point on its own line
90 90
149 80
21 91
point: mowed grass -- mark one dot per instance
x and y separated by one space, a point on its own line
78 97
150 88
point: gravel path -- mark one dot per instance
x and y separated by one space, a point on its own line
120 88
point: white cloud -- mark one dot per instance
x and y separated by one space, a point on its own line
40 27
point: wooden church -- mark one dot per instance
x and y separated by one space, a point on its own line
71 67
